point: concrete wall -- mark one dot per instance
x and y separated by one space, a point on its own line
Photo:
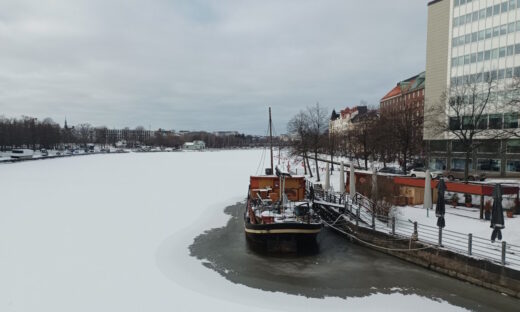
437 62
479 272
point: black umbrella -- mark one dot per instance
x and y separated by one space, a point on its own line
440 208
497 214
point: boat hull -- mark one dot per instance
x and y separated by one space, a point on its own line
283 237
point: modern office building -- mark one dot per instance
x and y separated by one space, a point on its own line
473 42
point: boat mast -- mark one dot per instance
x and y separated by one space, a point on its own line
271 138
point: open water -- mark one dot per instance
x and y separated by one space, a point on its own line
340 269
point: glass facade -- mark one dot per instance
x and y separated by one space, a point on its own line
513 166
438 163
458 164
488 165
513 147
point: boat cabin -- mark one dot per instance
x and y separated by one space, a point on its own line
268 188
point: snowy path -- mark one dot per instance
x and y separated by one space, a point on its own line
111 233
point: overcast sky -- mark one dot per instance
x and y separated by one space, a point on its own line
202 65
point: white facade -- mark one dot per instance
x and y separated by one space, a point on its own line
485 45
194 146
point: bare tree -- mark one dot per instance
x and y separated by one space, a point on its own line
84 132
298 127
317 128
466 108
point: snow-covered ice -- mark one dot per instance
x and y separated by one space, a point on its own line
111 233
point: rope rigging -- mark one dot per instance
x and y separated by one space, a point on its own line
333 225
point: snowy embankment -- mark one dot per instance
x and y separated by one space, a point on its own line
111 233
462 220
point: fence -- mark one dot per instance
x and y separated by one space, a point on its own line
363 212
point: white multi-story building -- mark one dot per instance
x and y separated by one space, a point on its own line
472 42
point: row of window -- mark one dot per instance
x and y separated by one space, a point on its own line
490 146
483 164
488 76
491 121
496 9
487 33
486 55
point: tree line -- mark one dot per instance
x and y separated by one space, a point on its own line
29 132
385 136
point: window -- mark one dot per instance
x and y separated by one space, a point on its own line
454 123
503 29
457 147
510 50
509 73
466 59
496 9
488 165
518 23
487 55
511 121
489 33
489 147
482 14
489 11
512 4
513 166
502 52
467 122
482 122
438 163
467 38
474 37
468 18
493 76
501 74
480 56
481 35
475 16
513 147
517 72
438 146
462 20
494 53
511 27
456 22
505 6
496 31
457 164
495 121
473 58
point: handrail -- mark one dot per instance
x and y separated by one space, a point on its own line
369 215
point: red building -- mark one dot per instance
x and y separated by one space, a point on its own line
407 94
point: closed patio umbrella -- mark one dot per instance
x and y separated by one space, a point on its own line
327 178
497 214
352 181
428 192
342 178
440 208
374 184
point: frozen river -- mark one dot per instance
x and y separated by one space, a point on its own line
127 232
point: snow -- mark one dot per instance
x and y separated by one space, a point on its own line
110 232
463 220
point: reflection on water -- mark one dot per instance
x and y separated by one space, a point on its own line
340 269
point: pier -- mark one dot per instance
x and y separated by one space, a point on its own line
463 256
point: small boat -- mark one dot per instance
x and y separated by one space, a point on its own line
22 153
278 217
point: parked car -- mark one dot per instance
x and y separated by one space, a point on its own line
44 152
458 174
391 170
421 173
